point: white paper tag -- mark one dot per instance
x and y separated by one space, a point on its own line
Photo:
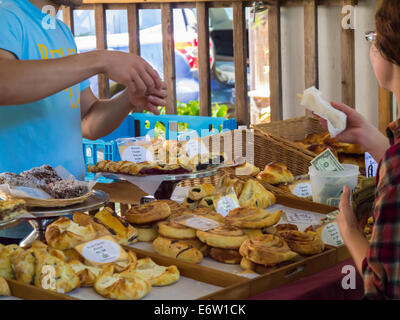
371 166
302 190
301 217
195 222
331 235
226 204
137 154
101 251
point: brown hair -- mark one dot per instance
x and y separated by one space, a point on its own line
387 21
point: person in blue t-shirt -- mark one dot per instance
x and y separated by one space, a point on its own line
46 104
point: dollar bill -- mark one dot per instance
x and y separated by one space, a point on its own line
326 161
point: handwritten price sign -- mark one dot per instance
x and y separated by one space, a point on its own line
301 217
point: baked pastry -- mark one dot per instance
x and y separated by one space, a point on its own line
209 213
228 256
42 175
252 233
24 266
224 237
155 274
190 204
343 147
250 266
247 169
121 229
178 249
85 220
10 209
198 192
87 274
267 250
286 227
146 232
148 212
274 173
227 181
315 138
252 218
64 234
255 195
319 148
116 286
4 288
66 189
123 265
173 230
304 243
65 279
207 202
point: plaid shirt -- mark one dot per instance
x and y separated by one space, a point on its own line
381 267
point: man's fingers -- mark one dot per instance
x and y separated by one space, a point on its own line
140 85
345 198
152 108
156 101
342 107
156 77
148 80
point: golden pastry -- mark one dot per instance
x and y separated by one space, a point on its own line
146 232
228 256
267 250
304 243
4 288
255 195
198 192
209 213
274 173
252 218
87 274
224 237
173 230
178 249
148 212
24 266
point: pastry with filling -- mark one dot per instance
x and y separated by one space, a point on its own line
275 173
87 274
148 212
170 229
10 209
196 193
255 195
224 237
228 256
252 218
177 249
305 243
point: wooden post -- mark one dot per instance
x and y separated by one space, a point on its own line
311 44
204 58
348 61
133 29
275 68
68 17
240 60
169 56
101 43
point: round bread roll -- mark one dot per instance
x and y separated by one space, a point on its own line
228 256
155 274
174 230
224 237
64 234
252 218
116 286
146 232
148 212
209 213
267 250
305 243
178 249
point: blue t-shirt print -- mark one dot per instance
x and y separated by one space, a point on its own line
47 131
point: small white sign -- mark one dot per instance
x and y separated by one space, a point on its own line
101 251
195 147
371 166
198 223
301 217
226 204
331 235
303 190
137 154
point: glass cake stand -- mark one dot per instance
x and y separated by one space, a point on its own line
42 217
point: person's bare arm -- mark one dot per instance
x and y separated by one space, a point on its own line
101 117
24 81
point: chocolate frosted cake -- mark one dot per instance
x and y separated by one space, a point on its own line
66 189
42 175
15 180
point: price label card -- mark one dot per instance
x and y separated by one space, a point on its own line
226 204
371 166
302 190
301 217
136 154
196 222
102 250
331 235
194 147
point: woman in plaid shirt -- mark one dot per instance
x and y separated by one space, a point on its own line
378 260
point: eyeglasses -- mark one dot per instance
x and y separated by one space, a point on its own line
370 36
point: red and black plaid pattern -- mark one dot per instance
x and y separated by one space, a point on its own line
381 267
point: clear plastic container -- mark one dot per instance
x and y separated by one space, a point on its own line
327 186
